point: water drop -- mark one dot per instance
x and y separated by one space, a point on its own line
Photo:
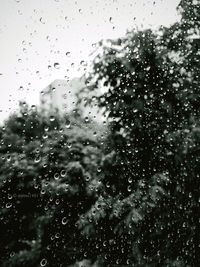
45 136
43 262
57 235
63 173
12 254
37 159
8 205
69 145
86 119
56 176
52 118
56 65
67 124
64 220
108 185
42 21
99 169
87 178
33 107
9 196
130 180
46 128
129 188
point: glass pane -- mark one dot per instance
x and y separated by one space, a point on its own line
99 133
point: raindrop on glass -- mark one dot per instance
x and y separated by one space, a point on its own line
64 220
52 118
42 20
67 124
43 262
8 205
56 65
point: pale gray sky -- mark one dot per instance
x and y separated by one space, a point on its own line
36 34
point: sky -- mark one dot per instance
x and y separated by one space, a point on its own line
44 40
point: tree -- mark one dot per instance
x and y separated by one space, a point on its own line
47 165
146 213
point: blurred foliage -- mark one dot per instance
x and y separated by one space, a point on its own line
147 210
47 165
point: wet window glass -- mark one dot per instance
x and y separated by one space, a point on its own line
99 133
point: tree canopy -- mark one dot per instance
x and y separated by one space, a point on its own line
150 171
47 167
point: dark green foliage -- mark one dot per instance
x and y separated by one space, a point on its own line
146 213
45 165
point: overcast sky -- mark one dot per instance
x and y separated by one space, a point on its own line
37 34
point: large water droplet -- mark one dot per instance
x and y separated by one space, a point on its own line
67 124
56 65
52 118
63 173
8 205
43 262
64 220
56 176
37 159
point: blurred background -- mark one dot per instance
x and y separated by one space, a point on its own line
99 133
